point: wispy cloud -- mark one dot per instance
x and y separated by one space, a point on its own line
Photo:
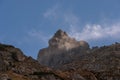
91 31
87 32
38 36
52 13
34 36
96 31
71 19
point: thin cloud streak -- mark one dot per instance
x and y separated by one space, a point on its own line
95 31
52 13
87 32
39 36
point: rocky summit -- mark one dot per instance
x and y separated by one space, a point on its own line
61 49
64 59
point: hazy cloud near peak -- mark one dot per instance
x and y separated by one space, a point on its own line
88 32
52 13
71 19
95 31
39 36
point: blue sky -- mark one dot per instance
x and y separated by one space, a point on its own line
28 24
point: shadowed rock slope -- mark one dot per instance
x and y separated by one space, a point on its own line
14 65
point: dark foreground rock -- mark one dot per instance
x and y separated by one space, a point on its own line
14 65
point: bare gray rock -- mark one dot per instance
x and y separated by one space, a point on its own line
4 77
60 49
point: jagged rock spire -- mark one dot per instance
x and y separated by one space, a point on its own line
59 39
62 41
58 44
60 33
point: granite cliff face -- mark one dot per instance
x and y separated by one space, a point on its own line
61 50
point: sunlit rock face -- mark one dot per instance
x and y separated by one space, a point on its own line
62 41
59 49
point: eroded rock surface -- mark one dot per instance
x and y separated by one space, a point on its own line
14 65
60 49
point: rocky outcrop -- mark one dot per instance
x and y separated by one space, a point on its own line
74 60
8 55
14 65
103 63
59 49
62 41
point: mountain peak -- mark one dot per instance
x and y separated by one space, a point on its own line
61 40
60 43
60 33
